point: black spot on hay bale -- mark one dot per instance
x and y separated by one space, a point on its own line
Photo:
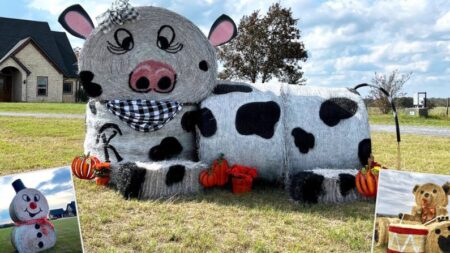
346 183
258 118
37 226
303 140
306 187
333 110
175 174
203 119
40 245
128 179
39 235
221 89
168 148
364 151
203 65
92 89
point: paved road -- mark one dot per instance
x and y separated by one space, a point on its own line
421 130
42 115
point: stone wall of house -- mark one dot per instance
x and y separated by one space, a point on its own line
40 66
17 80
70 97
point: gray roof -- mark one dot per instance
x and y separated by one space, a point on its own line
56 45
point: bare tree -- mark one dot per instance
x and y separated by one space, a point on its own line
392 83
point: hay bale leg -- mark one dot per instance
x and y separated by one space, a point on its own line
323 186
156 179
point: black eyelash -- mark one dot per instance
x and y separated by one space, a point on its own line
123 46
166 44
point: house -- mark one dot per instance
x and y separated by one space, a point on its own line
56 213
36 64
70 210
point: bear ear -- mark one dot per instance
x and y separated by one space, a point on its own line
415 188
222 31
446 188
76 21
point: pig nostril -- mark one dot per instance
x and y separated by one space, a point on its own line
164 83
142 83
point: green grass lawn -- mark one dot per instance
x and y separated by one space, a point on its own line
262 221
66 108
437 117
67 237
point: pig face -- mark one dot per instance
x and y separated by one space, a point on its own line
29 204
159 56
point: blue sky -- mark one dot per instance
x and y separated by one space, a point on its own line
347 41
395 190
55 184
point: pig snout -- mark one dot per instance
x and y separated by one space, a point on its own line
153 75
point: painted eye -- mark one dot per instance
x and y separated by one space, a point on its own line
37 197
124 42
166 38
26 198
434 191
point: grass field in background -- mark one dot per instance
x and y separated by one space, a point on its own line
67 237
262 221
437 117
66 108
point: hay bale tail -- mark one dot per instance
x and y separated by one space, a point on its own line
323 186
153 180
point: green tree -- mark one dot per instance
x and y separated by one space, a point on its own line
266 47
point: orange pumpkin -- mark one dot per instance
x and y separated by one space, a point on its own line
102 172
83 166
367 182
220 168
208 178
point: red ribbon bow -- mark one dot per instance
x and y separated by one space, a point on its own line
428 213
42 222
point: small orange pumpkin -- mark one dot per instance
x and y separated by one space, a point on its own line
367 179
220 168
102 173
208 178
83 166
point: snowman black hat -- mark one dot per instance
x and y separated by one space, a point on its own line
18 185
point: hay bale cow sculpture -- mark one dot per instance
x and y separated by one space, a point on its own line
151 75
29 210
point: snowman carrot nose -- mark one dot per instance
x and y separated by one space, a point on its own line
33 205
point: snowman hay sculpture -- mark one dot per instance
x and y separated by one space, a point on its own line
157 108
29 210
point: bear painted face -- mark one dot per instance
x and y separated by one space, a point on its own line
159 56
430 195
29 204
439 238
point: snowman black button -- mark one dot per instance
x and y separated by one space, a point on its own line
39 235
37 226
41 245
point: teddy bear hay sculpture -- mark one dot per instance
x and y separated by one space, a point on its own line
29 210
151 76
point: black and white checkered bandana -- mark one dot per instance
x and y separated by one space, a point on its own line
144 115
119 13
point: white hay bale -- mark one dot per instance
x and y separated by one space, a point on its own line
266 152
132 145
335 146
153 180
323 186
317 128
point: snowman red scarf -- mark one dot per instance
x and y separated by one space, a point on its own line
42 222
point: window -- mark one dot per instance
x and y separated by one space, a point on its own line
67 88
42 85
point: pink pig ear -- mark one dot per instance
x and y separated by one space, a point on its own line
222 31
76 21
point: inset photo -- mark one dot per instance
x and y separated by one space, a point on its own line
38 212
412 213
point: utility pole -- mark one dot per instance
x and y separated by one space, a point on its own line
448 102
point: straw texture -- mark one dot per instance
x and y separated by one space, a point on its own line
133 145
